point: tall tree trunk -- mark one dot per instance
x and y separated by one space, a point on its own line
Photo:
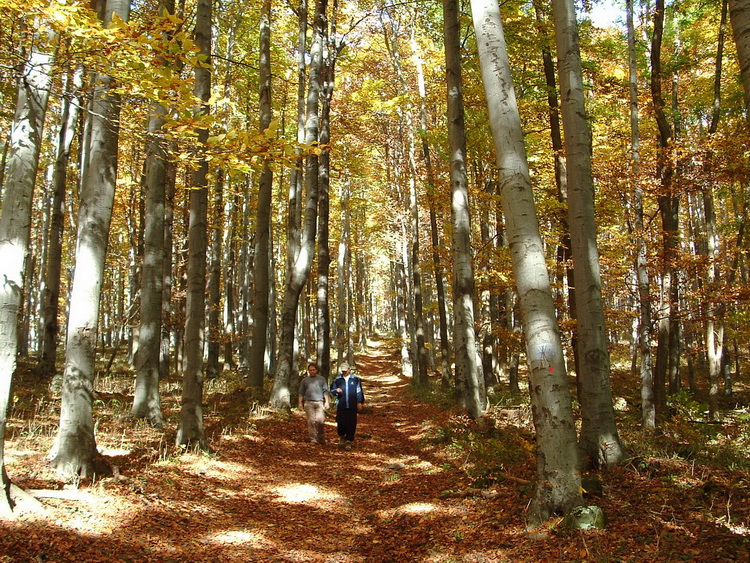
53 271
559 480
190 429
465 347
167 316
230 281
261 261
215 331
445 364
147 402
324 255
668 209
564 253
648 406
714 312
75 450
300 268
599 441
342 320
15 221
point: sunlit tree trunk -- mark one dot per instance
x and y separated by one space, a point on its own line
564 254
32 94
465 346
599 441
52 274
75 450
558 489
648 407
147 402
190 429
342 318
300 267
714 312
323 315
445 369
261 261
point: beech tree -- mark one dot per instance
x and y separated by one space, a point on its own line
301 261
190 429
648 406
739 14
32 93
262 258
147 402
558 488
599 440
74 451
465 346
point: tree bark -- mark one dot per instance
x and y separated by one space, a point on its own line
75 450
648 406
51 294
190 429
739 15
465 346
261 261
32 94
559 481
667 346
301 264
599 441
147 402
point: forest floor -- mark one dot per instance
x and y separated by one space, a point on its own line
411 489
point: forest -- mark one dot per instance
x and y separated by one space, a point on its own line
524 226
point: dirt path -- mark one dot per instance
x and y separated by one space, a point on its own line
375 503
267 494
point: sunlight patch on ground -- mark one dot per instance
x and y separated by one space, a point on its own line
241 536
113 452
418 509
302 492
207 466
393 378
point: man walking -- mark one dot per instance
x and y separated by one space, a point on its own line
348 389
313 395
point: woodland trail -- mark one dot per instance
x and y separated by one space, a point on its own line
265 494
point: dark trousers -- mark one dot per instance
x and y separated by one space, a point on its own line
346 423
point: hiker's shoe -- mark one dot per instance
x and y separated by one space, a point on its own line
342 441
348 446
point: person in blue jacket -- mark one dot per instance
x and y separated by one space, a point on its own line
347 388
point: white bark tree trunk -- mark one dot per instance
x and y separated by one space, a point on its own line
559 480
74 451
15 222
599 441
